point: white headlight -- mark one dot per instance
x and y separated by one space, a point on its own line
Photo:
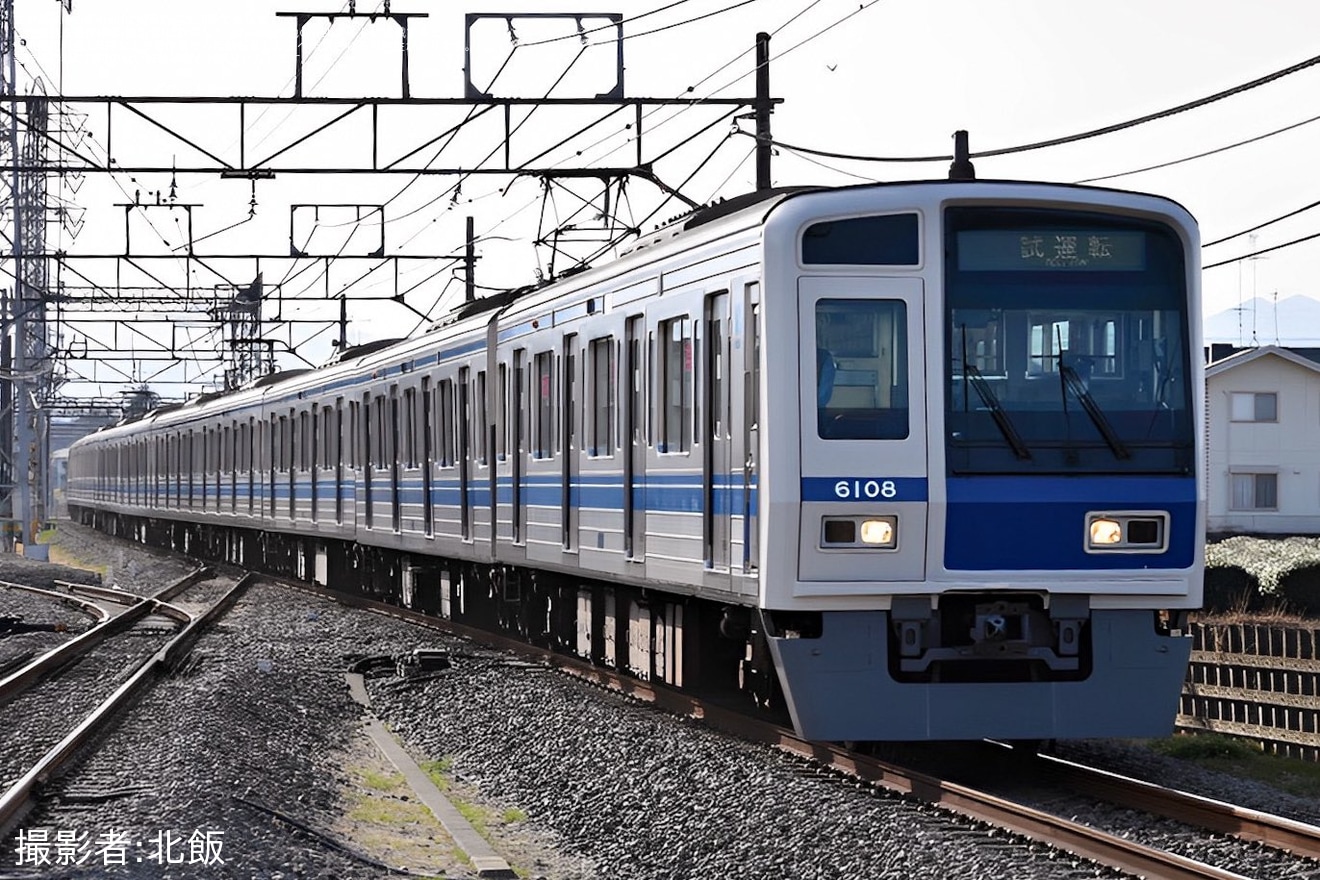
878 531
1105 531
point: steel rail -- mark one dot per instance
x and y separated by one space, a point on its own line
139 606
1082 840
15 801
23 679
1298 838
89 608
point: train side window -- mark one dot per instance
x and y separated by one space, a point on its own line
652 418
544 396
383 428
353 433
337 457
410 427
860 376
570 379
480 430
304 440
518 434
327 437
293 446
602 397
445 422
753 401
889 240
676 405
502 413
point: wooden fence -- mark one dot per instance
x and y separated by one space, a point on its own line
1259 681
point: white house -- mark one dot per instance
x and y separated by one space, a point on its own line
1264 441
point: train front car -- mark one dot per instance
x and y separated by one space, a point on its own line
983 509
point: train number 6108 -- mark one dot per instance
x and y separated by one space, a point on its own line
851 490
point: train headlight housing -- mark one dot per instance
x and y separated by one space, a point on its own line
1127 531
859 532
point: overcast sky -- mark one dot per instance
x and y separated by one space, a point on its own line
888 78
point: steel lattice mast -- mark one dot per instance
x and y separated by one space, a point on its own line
24 352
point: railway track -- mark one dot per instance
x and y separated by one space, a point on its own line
36 618
1122 853
63 700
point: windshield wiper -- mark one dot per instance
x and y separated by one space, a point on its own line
1078 387
997 412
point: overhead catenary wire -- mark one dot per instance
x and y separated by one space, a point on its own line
1203 154
647 116
1066 139
1261 251
1260 226
577 35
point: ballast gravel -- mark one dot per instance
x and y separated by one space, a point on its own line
256 724
640 794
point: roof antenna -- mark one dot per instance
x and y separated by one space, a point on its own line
961 168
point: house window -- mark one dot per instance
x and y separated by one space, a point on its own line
1255 407
1254 491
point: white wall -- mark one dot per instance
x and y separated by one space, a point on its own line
1289 447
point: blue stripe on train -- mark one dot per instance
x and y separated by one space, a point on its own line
681 493
1013 523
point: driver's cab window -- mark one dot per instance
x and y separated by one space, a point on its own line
861 369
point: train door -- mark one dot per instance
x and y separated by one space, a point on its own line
268 449
499 440
291 461
204 465
519 444
428 460
751 429
368 460
391 448
718 456
634 429
232 438
318 416
862 413
569 495
339 459
249 465
464 451
193 443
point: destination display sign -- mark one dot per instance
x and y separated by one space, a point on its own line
1090 250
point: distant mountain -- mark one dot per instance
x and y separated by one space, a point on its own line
1294 320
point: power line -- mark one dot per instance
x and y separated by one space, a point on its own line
679 24
1258 253
1223 149
1067 139
735 80
1278 219
578 35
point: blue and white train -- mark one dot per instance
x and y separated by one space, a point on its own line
913 461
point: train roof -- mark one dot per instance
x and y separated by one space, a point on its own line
704 224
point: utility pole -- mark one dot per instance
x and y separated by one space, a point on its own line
470 263
762 106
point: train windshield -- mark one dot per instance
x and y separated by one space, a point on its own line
1066 339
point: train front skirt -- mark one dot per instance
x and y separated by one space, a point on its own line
838 687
